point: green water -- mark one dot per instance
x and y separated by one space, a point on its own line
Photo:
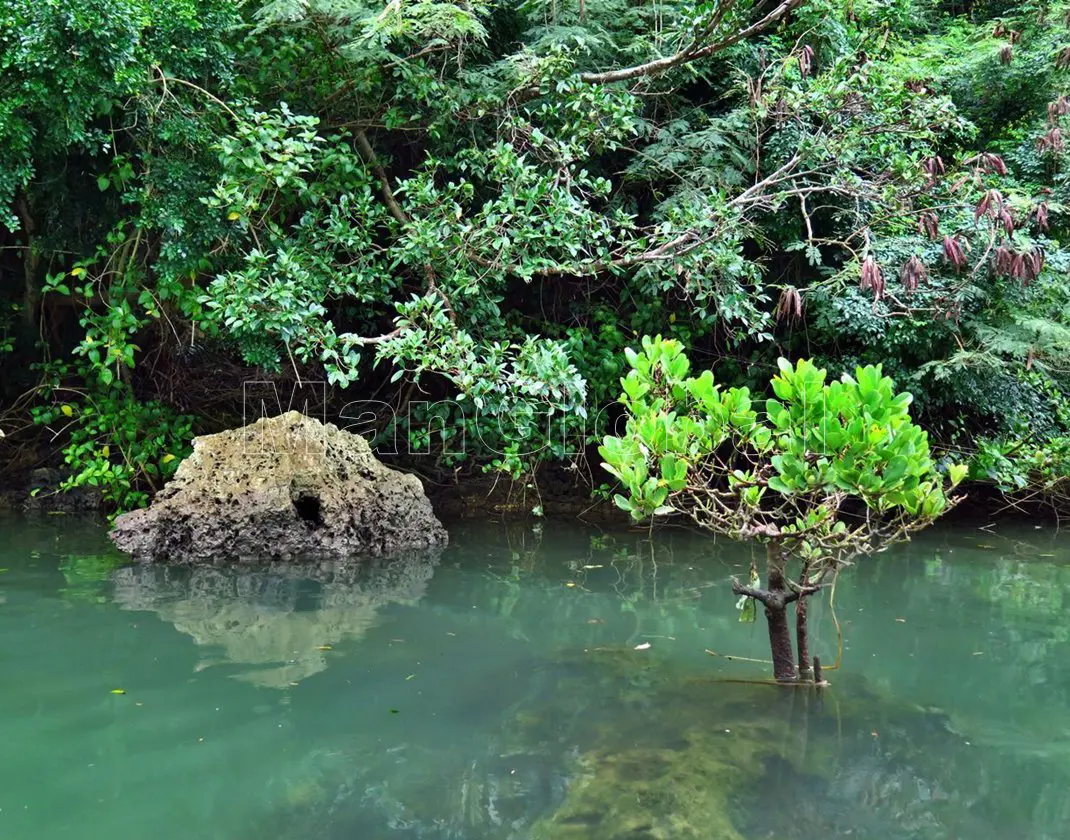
494 691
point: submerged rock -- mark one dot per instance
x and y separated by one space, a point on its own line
281 488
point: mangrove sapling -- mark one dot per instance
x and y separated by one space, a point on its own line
821 473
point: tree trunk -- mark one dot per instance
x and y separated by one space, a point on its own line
30 259
802 640
780 644
776 616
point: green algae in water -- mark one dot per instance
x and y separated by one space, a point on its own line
684 757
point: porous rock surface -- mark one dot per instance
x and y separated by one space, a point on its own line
281 488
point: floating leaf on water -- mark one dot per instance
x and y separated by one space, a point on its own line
593 566
393 711
324 647
901 621
643 646
985 545
410 677
596 621
570 584
118 691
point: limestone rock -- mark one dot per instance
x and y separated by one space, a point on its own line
281 488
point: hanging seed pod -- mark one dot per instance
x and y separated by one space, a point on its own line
1014 35
912 273
1052 142
1006 54
1000 30
933 166
953 252
1062 60
991 205
806 60
790 305
1017 267
1041 215
993 163
1057 109
1003 261
929 224
872 278
1006 219
1034 264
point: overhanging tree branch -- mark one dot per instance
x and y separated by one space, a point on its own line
367 153
693 51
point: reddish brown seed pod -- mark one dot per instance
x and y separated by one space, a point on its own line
993 163
953 252
872 277
1041 215
790 305
1052 142
913 273
1006 219
933 166
929 224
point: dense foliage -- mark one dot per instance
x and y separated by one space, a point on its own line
464 211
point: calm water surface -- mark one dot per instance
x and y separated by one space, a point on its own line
494 690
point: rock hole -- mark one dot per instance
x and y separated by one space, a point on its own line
308 508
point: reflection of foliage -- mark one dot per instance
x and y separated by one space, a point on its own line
620 588
87 574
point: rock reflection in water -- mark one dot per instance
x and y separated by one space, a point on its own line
277 617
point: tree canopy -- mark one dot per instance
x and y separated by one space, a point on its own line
465 211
